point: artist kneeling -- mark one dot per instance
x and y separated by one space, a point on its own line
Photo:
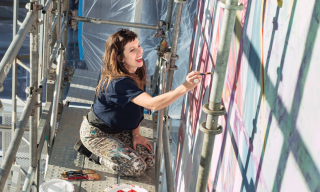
111 128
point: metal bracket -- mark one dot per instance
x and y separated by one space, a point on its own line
32 29
206 109
33 91
65 13
160 53
231 7
160 31
167 56
173 68
52 77
29 5
39 7
209 131
29 90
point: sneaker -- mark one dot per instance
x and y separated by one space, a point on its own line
84 151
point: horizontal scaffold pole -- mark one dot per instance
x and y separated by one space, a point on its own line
126 24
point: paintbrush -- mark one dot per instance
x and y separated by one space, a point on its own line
77 173
206 73
89 177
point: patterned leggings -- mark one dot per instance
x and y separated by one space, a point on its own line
116 150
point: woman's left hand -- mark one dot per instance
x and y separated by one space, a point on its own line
142 141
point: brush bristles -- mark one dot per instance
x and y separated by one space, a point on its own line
64 175
96 177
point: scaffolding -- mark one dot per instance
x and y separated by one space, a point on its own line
49 19
47 22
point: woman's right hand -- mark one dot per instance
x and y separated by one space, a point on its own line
189 83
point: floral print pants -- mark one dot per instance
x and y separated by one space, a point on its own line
116 150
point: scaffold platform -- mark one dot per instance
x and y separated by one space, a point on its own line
82 88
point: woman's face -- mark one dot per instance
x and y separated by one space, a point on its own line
132 56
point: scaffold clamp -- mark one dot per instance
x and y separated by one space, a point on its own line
220 112
210 131
175 57
173 68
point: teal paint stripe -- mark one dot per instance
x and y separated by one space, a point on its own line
80 25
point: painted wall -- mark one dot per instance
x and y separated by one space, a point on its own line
270 140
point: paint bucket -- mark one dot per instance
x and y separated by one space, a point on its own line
57 185
125 188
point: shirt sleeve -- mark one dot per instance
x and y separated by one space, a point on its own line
124 91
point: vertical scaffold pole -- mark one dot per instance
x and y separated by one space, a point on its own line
14 69
64 43
34 64
214 108
159 148
174 47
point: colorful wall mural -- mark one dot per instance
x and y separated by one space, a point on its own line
270 140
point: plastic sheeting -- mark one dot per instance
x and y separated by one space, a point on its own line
5 40
92 37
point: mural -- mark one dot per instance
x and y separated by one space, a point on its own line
271 89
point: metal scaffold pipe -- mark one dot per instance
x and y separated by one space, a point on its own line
65 30
163 114
14 69
119 23
34 83
30 176
167 158
15 45
174 47
57 89
159 148
168 21
214 109
34 72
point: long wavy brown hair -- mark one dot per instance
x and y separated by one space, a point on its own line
113 67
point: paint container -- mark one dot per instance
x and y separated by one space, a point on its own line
55 185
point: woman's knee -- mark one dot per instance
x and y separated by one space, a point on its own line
135 167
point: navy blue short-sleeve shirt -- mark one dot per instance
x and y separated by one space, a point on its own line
114 107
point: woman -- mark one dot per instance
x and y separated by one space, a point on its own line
111 129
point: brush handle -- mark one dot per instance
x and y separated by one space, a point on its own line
78 172
88 177
72 172
76 178
206 73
